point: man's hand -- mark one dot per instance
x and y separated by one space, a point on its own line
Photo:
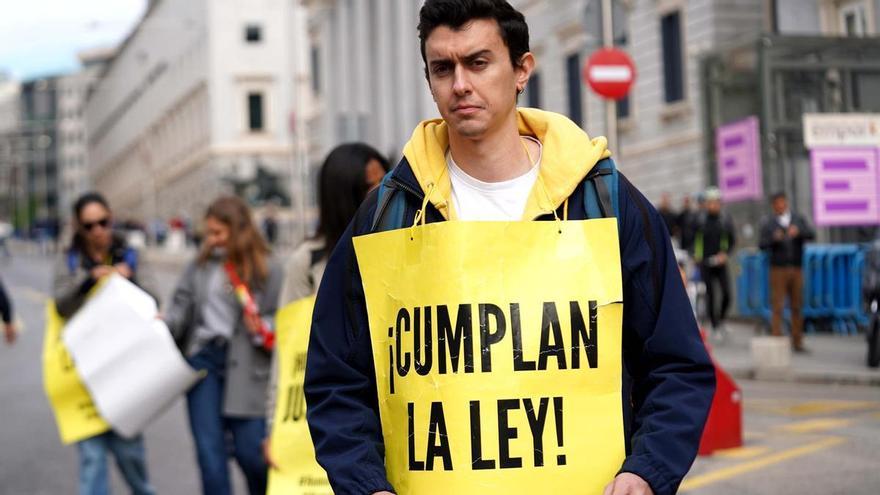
123 269
721 259
102 271
10 333
793 231
628 484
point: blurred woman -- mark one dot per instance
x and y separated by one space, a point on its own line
349 172
94 254
221 315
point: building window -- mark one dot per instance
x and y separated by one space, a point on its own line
673 66
623 108
533 91
316 70
253 33
255 112
573 78
853 19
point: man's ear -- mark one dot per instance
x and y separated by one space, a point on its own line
524 70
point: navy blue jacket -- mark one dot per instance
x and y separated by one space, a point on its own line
668 382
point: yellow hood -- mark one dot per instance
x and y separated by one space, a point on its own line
568 155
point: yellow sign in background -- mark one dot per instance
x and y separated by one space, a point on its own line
296 472
75 413
497 348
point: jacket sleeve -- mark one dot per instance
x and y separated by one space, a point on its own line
731 235
766 240
340 385
673 379
69 290
178 314
5 305
806 230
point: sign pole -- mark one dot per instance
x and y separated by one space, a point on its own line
610 105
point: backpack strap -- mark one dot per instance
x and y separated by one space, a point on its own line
601 190
72 261
390 207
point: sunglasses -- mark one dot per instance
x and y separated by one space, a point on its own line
104 223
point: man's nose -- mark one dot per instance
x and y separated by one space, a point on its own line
461 84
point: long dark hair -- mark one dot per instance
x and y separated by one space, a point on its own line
246 248
342 187
78 243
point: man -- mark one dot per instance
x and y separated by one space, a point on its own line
714 240
685 224
783 236
477 60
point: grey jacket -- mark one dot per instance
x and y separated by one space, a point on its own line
247 365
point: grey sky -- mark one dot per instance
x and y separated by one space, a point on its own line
42 37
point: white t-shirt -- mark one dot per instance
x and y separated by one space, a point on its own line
785 219
475 200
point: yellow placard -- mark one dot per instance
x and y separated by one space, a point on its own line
75 413
297 472
497 348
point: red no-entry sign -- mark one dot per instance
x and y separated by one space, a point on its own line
610 72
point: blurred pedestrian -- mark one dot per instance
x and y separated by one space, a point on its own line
95 253
270 225
669 216
783 236
6 314
221 315
685 223
349 172
5 234
714 240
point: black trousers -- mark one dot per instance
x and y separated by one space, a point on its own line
716 276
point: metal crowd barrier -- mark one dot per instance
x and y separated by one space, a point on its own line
832 292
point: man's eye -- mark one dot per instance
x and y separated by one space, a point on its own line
479 64
440 70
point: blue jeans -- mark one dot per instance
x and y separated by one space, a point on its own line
217 436
130 457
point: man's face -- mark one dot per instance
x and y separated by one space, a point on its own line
472 78
780 205
713 206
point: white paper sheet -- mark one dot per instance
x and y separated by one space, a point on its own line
126 357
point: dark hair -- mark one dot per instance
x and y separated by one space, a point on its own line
78 243
778 195
246 249
342 187
457 13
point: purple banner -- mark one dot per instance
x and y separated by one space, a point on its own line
738 154
846 186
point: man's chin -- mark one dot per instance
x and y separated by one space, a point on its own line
470 130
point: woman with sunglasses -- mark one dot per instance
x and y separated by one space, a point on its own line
221 315
95 253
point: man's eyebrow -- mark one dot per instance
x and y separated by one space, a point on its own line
467 58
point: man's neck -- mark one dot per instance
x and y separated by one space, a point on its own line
495 157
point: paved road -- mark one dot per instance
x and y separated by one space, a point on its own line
804 439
